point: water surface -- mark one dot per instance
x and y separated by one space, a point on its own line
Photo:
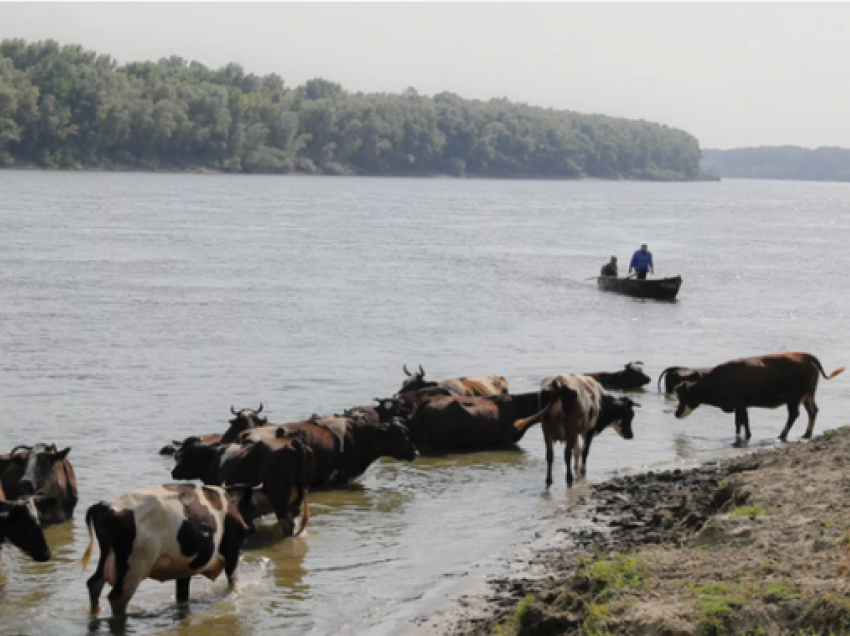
137 308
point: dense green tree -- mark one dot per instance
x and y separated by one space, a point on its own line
64 106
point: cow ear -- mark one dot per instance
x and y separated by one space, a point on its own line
62 454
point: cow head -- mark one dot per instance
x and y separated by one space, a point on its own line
193 459
617 413
396 440
40 468
20 525
414 381
243 420
633 375
688 399
389 408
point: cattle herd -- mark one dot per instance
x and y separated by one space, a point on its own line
175 531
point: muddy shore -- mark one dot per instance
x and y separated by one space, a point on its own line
757 545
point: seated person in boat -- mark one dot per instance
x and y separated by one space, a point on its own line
642 262
610 268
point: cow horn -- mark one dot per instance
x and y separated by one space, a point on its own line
233 410
404 368
421 370
17 448
260 410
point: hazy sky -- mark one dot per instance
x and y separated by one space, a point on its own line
731 74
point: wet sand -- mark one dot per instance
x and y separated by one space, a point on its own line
758 544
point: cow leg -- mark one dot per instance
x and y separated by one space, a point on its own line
576 455
586 452
287 523
97 581
550 458
812 410
183 590
126 584
567 452
742 420
793 414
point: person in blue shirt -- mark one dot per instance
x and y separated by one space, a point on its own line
642 262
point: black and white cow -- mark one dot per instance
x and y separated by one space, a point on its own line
166 533
20 525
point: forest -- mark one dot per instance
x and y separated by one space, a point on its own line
779 162
62 106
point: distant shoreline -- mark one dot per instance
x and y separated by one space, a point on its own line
218 171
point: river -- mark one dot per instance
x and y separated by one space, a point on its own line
136 308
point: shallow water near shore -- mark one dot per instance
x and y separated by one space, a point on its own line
137 308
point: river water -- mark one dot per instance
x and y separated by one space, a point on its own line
137 308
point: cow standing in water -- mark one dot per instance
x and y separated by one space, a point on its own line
19 525
481 386
763 382
45 470
574 405
674 376
166 533
631 377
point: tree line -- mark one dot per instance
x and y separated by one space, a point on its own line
780 162
68 107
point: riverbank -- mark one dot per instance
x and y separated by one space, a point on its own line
759 544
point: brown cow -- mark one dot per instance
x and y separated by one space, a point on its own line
762 382
471 423
175 445
573 406
46 471
344 448
283 467
473 387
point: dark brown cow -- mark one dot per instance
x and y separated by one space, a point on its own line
471 423
383 411
175 445
465 386
283 467
674 376
763 382
19 525
166 533
243 420
573 406
46 471
631 376
343 457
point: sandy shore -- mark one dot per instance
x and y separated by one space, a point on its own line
755 545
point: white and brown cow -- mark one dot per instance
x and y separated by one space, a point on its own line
166 533
573 406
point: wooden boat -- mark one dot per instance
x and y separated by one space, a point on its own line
657 289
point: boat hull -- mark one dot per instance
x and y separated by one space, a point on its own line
658 289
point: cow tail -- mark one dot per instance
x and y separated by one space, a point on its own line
660 377
303 476
817 364
92 515
534 419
